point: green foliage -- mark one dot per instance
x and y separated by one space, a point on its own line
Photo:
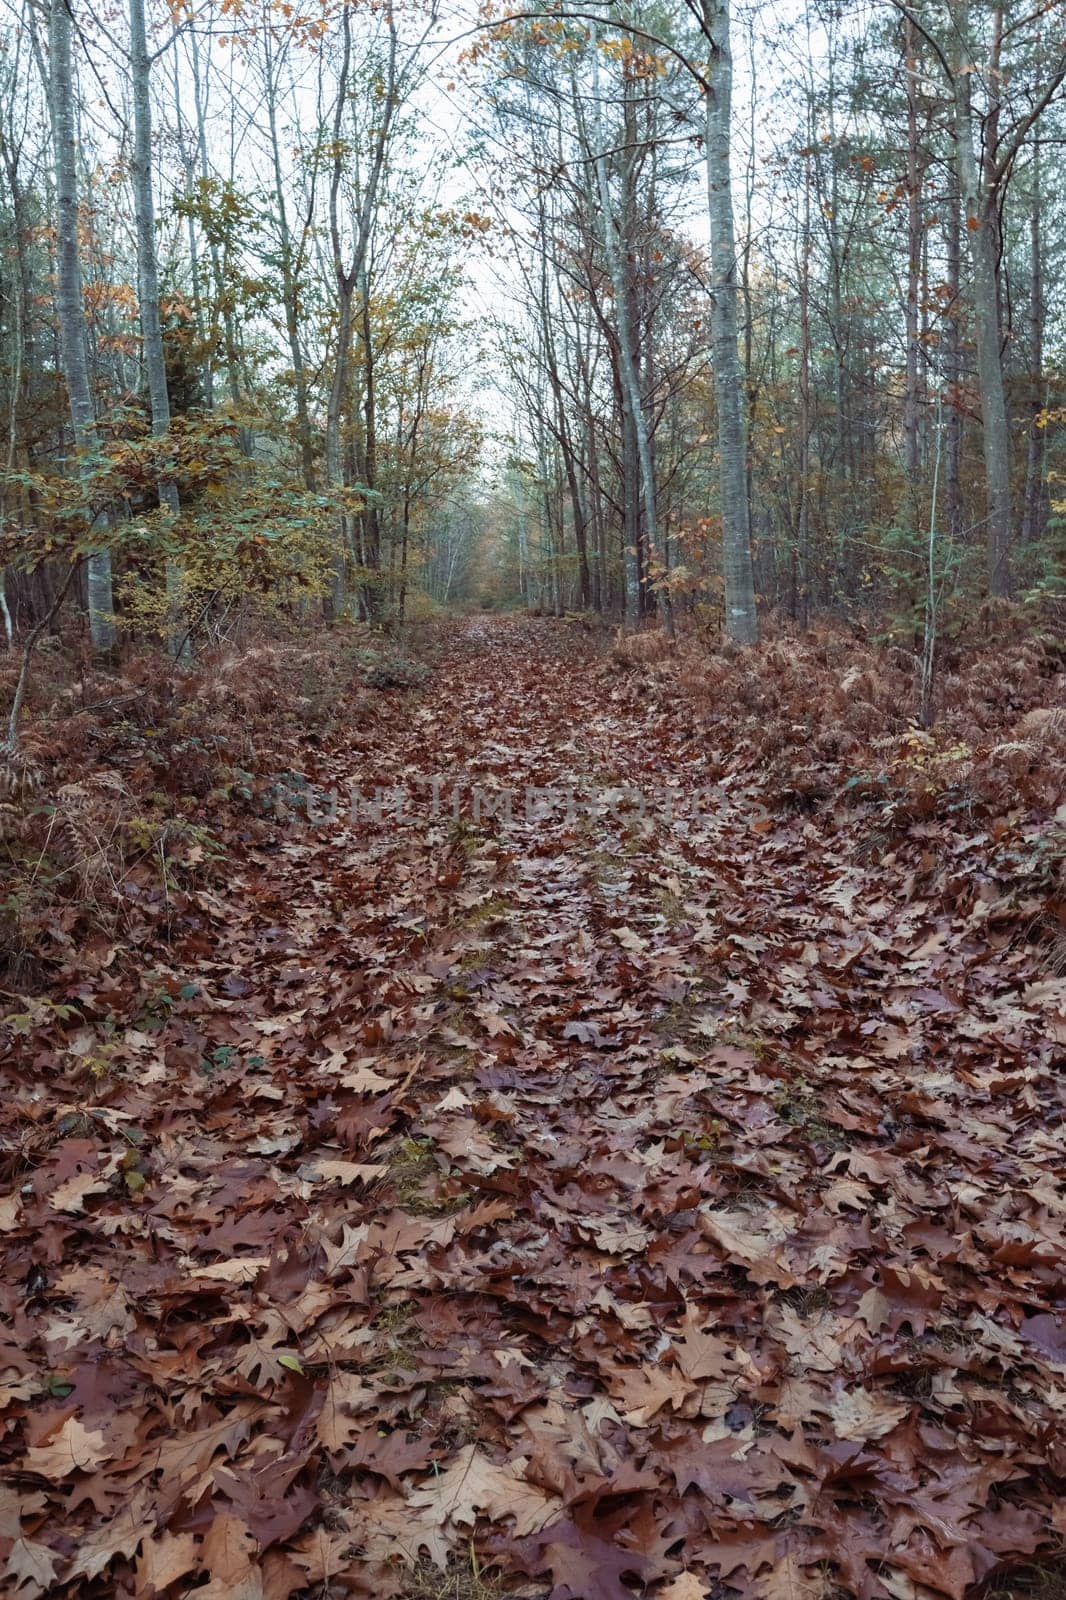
248 535
903 568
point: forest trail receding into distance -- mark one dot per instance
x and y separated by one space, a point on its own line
620 1198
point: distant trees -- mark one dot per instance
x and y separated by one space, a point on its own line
250 394
876 297
685 308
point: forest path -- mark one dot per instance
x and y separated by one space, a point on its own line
637 1196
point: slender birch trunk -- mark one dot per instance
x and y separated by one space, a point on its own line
912 448
634 410
70 307
803 516
148 292
741 619
1036 496
188 163
289 278
979 207
952 360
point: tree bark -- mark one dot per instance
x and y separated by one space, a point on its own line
290 287
148 292
70 308
741 619
911 411
979 207
636 452
953 360
1034 525
803 517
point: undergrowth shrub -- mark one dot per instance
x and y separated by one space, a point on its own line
827 722
128 791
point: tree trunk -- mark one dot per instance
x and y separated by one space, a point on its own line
222 304
188 162
741 619
148 292
371 522
980 210
953 361
70 308
338 394
803 516
636 453
1036 496
911 413
289 286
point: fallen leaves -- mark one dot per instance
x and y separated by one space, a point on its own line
858 1414
229 1557
72 1194
472 1483
163 1561
343 1172
684 1587
242 1269
72 1448
647 1209
31 1567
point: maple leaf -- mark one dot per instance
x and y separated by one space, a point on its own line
346 1392
72 1448
164 1560
364 1080
390 1455
343 1172
858 1414
268 1355
684 1587
241 1269
797 1400
815 1342
495 1023
72 1194
350 1250
874 1310
454 1100
182 1457
701 1353
13 1507
274 1144
103 1306
321 1554
229 1556
122 1535
646 1390
789 1579
744 1240
472 1482
392 1529
31 1566
616 1236
586 1568
472 1147
587 1033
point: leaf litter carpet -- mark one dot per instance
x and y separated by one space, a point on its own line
592 1206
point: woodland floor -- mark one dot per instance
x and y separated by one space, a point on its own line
592 1207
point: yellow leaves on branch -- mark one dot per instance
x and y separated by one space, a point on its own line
635 63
